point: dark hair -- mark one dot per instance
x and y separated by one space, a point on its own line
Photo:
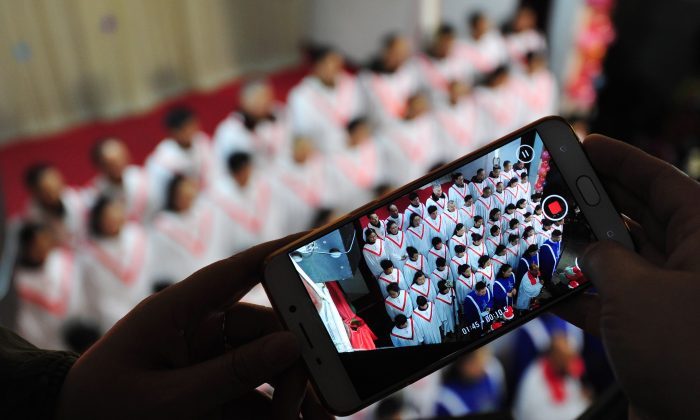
476 237
532 248
432 209
458 226
26 236
96 150
493 212
512 237
412 195
411 251
483 259
500 248
171 190
319 52
400 319
33 174
389 224
459 248
521 201
513 222
389 39
368 232
96 211
421 300
413 216
506 162
547 222
445 29
440 262
417 274
178 117
556 232
474 18
436 240
392 287
477 218
494 228
442 285
456 175
468 197
510 206
355 122
527 229
502 270
237 161
480 285
527 214
386 264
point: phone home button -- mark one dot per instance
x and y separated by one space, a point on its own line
588 190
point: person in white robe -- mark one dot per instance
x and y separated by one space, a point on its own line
530 288
395 241
468 211
376 224
459 258
437 250
534 201
48 284
117 262
507 173
499 258
390 274
485 48
460 119
459 190
374 252
478 228
545 233
451 217
325 101
494 239
460 237
485 272
528 238
524 187
428 321
397 301
187 150
512 192
437 198
436 227
477 184
502 108
484 204
405 333
493 220
520 210
259 127
499 197
439 65
441 272
525 36
419 235
513 250
476 250
537 87
414 206
446 307
416 262
397 217
494 177
422 286
506 217
465 283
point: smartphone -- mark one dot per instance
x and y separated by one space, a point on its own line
364 339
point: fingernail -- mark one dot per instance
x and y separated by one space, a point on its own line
281 350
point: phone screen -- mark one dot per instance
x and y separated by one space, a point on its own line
472 251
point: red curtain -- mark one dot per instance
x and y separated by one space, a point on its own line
361 336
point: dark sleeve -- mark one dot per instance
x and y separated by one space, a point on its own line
30 378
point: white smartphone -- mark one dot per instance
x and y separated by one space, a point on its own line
378 304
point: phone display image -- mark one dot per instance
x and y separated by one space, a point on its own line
466 254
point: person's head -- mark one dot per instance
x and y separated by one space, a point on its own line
393 289
437 191
327 64
499 187
471 368
464 270
442 287
182 125
507 165
443 41
458 178
519 165
437 242
460 250
505 271
534 269
561 354
456 90
257 98
480 174
556 235
477 238
487 192
527 217
433 212
513 182
180 193
387 266
419 278
478 24
514 223
451 206
484 261
521 203
417 105
414 199
528 232
35 244
460 229
111 157
412 253
535 61
494 215
496 171
525 19
547 224
495 230
45 184
370 236
392 227
532 250
373 218
415 220
302 149
107 217
513 239
478 221
468 200
393 210
536 197
497 77
422 302
538 210
395 51
480 288
401 321
500 250
440 263
523 177
359 131
240 167
510 208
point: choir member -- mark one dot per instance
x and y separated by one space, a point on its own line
512 192
459 190
427 320
530 288
530 257
494 219
418 235
528 221
437 198
439 65
494 177
182 233
528 238
373 222
464 284
374 252
537 87
118 178
416 262
395 242
533 202
62 209
390 274
459 237
47 280
499 257
414 206
524 186
525 36
438 250
476 250
460 119
436 228
187 150
451 217
521 209
259 127
477 305
537 218
441 271
485 49
404 332
485 203
513 251
507 173
504 288
325 101
397 301
545 232
401 219
478 227
118 263
468 211
493 240
458 259
446 308
514 227
502 108
422 287
485 272
549 255
477 184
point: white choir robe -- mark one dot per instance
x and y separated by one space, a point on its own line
458 240
428 321
413 148
492 182
499 200
497 261
396 276
468 214
458 194
513 253
434 254
481 230
447 310
451 218
484 54
118 274
400 305
461 126
437 73
355 172
483 207
48 297
248 215
464 286
476 189
437 276
526 242
539 92
487 275
512 195
410 209
455 262
503 110
374 254
411 267
409 336
527 291
525 191
386 93
427 290
419 238
169 159
401 221
518 44
492 243
436 228
379 230
543 235
520 215
321 113
182 241
440 203
309 189
135 191
70 228
475 252
396 248
268 141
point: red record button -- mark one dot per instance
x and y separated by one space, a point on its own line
554 207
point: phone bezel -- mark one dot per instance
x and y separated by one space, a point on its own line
295 309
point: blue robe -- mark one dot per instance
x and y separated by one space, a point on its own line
550 253
524 265
474 305
500 292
